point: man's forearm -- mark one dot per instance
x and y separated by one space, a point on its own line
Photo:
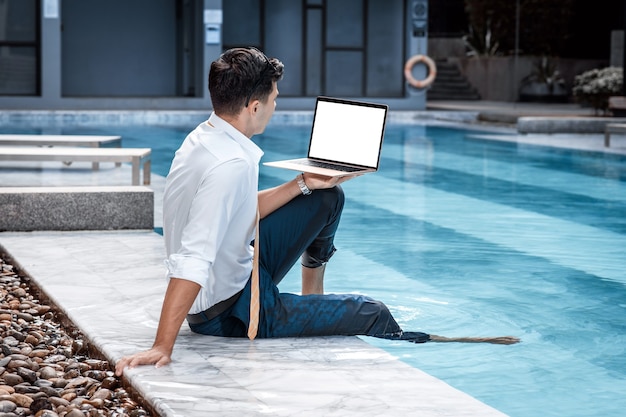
179 298
274 198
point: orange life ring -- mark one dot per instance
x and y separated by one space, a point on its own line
408 71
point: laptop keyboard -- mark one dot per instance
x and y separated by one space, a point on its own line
327 165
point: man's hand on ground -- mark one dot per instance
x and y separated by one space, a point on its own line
152 356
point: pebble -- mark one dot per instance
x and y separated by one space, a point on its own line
46 371
7 406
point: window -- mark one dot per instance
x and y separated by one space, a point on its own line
19 47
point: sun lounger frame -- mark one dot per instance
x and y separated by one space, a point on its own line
136 156
612 128
93 141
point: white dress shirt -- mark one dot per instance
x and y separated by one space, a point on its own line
209 211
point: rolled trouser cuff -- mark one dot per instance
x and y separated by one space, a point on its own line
309 261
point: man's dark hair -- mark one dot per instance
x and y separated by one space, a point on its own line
239 76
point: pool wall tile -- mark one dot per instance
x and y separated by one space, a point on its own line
44 118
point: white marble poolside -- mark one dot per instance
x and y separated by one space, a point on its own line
111 285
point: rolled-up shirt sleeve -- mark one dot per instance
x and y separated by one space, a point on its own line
187 267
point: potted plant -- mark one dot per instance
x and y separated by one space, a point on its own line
544 83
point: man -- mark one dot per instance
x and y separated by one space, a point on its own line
210 215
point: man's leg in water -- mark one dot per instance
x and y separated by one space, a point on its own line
307 225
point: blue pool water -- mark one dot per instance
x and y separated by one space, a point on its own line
465 236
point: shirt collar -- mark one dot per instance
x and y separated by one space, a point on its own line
245 142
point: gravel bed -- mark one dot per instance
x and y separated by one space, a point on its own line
47 367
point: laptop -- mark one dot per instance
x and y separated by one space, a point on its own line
346 138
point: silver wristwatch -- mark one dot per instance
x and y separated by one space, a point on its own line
305 190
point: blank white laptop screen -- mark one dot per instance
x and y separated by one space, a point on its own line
351 134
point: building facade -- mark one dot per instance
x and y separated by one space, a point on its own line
155 54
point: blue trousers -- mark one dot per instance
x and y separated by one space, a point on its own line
303 228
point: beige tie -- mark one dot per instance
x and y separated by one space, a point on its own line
253 327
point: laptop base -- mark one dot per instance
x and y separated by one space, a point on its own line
293 165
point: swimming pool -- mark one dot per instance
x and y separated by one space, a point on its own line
460 235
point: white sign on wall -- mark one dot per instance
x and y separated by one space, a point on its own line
212 34
51 9
213 16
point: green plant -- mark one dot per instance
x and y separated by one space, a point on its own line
479 42
545 71
594 87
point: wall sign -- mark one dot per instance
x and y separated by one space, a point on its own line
51 9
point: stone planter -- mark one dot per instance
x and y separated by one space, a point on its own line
537 92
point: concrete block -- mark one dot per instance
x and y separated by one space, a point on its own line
565 124
76 208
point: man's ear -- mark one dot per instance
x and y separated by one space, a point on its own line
253 107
